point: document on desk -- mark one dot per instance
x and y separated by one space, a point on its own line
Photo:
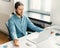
23 44
39 37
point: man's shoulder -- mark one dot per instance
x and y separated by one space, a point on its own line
11 18
25 16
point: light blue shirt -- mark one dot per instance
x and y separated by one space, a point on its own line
18 26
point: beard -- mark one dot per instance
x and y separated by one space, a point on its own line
20 14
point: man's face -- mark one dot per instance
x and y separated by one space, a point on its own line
19 10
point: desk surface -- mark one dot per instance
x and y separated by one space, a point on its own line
24 43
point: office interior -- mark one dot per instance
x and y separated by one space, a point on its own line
43 13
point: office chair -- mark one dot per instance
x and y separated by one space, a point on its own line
8 31
8 28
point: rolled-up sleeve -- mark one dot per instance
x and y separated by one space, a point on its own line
12 29
32 26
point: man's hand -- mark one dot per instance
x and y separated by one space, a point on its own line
52 32
16 42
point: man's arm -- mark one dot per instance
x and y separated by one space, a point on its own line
32 26
13 32
12 29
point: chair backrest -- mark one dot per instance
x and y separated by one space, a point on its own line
7 25
8 30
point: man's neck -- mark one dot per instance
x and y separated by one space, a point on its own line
19 16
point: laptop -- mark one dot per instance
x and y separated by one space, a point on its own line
38 37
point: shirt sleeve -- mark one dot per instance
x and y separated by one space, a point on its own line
32 26
12 30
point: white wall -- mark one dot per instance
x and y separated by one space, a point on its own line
6 8
55 14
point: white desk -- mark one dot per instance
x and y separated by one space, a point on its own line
48 42
52 41
23 43
46 39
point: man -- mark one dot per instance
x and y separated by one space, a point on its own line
18 24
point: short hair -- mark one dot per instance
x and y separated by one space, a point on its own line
18 4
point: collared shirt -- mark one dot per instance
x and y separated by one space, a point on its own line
18 26
18 16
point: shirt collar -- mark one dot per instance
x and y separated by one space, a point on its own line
18 17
